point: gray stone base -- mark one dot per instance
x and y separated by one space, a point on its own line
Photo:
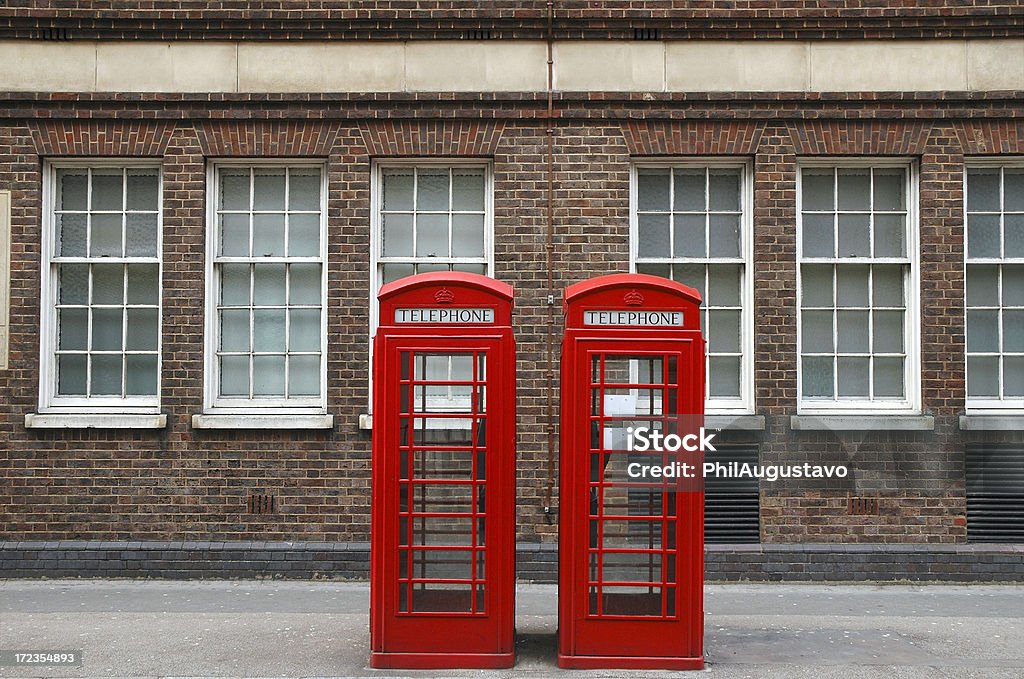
535 562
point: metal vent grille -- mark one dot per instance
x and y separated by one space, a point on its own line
262 504
995 493
732 507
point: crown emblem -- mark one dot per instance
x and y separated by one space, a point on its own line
444 296
633 298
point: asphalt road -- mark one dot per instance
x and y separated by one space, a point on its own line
319 629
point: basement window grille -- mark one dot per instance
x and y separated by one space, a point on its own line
732 507
995 493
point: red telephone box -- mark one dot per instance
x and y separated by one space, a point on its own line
631 552
442 569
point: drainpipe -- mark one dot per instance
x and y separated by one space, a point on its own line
550 251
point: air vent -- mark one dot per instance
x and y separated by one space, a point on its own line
862 506
262 504
995 493
477 34
53 34
645 34
732 507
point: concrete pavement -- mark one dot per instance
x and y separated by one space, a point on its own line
319 629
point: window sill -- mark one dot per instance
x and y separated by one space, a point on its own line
94 421
1006 422
734 422
262 421
865 422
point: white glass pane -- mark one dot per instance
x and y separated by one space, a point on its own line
397 235
143 190
888 377
398 190
106 329
106 236
854 239
304 330
724 190
304 190
854 189
234 284
234 235
268 190
234 190
142 235
1013 189
268 235
1013 284
143 283
432 190
663 270
304 284
471 268
852 285
74 284
724 377
72 190
107 190
303 235
816 285
392 272
71 235
818 235
889 235
817 377
689 191
818 190
724 232
106 375
723 285
1013 330
889 189
653 190
268 284
983 190
817 332
73 329
983 376
107 283
304 376
427 268
431 235
234 330
982 285
852 331
268 330
268 375
1013 235
852 380
691 275
468 190
234 376
1013 377
888 332
467 235
723 331
653 235
141 376
689 237
143 330
983 235
71 375
887 281
982 330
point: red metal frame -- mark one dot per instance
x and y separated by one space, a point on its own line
442 572
631 555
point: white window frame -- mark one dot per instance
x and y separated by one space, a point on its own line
49 401
212 403
912 328
377 169
988 405
745 404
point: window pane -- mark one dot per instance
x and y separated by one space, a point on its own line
268 190
234 330
982 285
983 376
303 235
1013 284
888 332
234 376
852 379
304 376
653 190
304 190
304 284
143 190
818 235
106 375
143 330
983 235
142 233
1013 330
1013 235
432 190
724 190
74 284
268 330
691 275
724 331
653 236
852 285
816 335
982 330
889 187
398 186
724 376
73 329
71 232
689 237
304 330
71 375
467 235
817 377
723 285
268 375
234 235
689 190
431 235
816 285
1013 189
887 284
392 272
1013 377
105 239
854 189
853 236
234 189
107 329
889 377
397 235
107 190
818 190
889 235
268 235
983 190
852 331
107 283
268 284
724 236
72 190
468 190
234 282
141 376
